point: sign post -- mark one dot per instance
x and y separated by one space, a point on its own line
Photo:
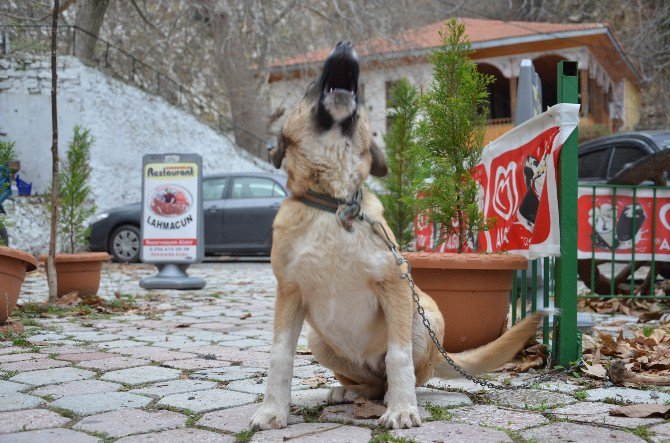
172 229
566 264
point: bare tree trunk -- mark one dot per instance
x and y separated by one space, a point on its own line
90 16
244 86
51 261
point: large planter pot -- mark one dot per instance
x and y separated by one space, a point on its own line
471 290
78 272
13 266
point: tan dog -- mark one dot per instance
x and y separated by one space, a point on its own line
345 283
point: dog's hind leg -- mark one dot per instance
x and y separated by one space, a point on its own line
288 319
357 380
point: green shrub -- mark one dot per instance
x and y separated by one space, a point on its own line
74 194
451 136
404 166
6 155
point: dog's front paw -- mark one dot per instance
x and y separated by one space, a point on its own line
269 417
341 394
396 418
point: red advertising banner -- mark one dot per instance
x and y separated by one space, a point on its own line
615 223
518 189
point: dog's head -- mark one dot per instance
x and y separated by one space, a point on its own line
331 107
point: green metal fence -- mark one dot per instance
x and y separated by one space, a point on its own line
626 270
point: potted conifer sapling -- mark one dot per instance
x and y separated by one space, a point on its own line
13 262
404 169
77 271
471 289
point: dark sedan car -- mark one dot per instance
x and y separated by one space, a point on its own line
602 158
238 212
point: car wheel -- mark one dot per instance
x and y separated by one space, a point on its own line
124 244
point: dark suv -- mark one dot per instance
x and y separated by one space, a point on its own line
238 212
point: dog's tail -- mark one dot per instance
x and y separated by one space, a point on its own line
492 355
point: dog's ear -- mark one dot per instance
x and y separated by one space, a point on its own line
378 168
277 153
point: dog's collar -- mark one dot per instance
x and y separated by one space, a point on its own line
325 202
346 211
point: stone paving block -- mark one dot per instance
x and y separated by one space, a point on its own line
131 421
599 413
196 363
257 385
440 431
9 386
309 398
12 350
83 356
310 371
441 398
205 401
47 336
94 336
661 433
237 419
33 365
9 358
245 343
108 364
530 398
562 432
88 404
49 436
345 414
180 345
142 375
52 376
455 384
495 417
29 419
11 401
155 354
229 374
175 387
77 388
117 344
179 436
628 395
80 349
315 433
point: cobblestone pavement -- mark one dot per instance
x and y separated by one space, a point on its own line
191 366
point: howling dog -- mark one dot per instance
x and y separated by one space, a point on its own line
335 272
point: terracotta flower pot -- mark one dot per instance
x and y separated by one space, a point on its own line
78 272
472 291
13 266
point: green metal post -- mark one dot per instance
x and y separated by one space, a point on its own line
566 265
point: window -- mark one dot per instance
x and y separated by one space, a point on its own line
214 188
593 164
256 187
624 156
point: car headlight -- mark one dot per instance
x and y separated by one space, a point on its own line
99 217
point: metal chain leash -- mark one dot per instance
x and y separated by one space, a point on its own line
400 260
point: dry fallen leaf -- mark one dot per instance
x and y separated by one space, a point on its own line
595 370
642 411
183 325
315 382
245 315
70 299
365 408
